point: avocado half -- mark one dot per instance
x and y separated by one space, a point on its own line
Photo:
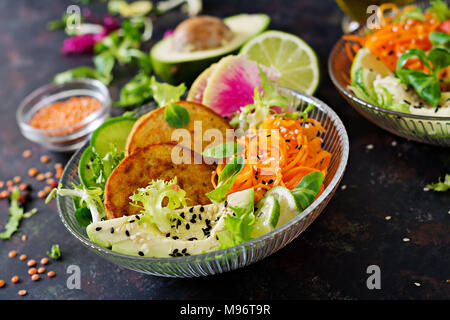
175 67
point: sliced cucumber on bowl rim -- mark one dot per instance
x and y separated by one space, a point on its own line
266 216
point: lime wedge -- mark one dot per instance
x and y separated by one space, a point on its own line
266 216
365 59
292 57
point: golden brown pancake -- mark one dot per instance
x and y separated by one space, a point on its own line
152 128
150 163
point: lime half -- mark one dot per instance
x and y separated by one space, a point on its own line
292 57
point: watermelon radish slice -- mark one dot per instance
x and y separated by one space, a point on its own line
199 85
231 85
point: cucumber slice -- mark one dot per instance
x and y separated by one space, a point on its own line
113 131
267 216
288 205
365 59
85 171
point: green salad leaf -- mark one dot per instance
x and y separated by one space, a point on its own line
440 39
83 216
226 179
176 116
15 216
151 198
136 91
440 9
425 84
308 189
55 252
440 185
223 150
79 72
164 93
415 14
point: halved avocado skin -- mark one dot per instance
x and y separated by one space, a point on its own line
187 71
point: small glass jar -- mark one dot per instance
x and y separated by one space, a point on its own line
72 137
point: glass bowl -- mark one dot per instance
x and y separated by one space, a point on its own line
68 138
335 141
426 129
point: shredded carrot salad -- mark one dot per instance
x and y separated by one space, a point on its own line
280 153
395 37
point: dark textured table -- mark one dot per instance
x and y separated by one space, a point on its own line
328 261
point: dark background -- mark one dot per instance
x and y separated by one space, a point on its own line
328 261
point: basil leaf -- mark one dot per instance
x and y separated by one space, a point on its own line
224 150
308 189
411 53
226 179
175 115
440 58
426 86
439 38
83 216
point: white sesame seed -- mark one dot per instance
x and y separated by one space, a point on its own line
394 143
406 239
387 217
417 284
343 187
426 189
369 147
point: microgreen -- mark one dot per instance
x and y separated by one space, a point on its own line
308 189
440 9
440 185
55 252
164 93
223 150
15 216
238 227
176 116
226 179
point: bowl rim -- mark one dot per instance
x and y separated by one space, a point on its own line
343 90
344 141
79 126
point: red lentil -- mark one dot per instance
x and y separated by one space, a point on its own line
40 177
45 159
44 261
47 189
23 186
31 263
27 154
58 166
62 114
35 277
4 194
41 194
24 237
32 271
48 175
23 257
41 270
2 283
32 172
9 183
12 253
51 274
15 279
22 293
2 184
17 179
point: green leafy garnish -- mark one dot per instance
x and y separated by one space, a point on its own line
15 216
55 252
176 116
426 85
83 216
440 185
88 197
238 227
223 150
440 39
226 179
103 167
440 9
164 93
264 99
150 200
308 189
415 14
136 91
80 72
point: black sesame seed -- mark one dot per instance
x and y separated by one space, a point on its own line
192 239
141 253
188 226
131 221
391 52
182 215
191 209
167 235
270 181
268 135
193 220
127 233
258 157
179 254
98 228
202 209
207 221
226 203
184 250
194 216
175 250
137 217
87 167
407 102
112 230
288 140
199 217
187 254
175 238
